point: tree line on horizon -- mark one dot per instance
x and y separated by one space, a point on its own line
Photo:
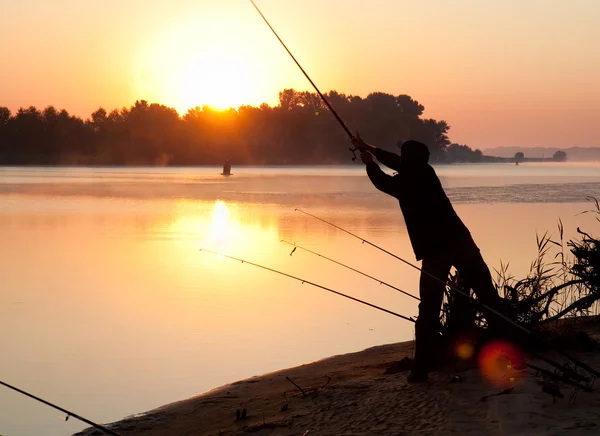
558 156
299 130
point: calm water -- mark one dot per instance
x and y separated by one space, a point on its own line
108 308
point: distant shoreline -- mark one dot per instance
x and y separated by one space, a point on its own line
574 154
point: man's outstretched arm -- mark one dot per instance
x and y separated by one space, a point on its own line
380 180
389 159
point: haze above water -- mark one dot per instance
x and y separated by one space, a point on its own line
109 309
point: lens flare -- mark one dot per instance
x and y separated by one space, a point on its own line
465 350
497 361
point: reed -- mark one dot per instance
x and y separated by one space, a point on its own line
563 282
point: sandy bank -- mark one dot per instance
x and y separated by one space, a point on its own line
353 395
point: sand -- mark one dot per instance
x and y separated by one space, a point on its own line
353 395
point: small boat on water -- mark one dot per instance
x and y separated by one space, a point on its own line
226 169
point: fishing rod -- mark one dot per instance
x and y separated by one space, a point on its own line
529 332
74 415
568 373
381 282
310 283
350 135
566 370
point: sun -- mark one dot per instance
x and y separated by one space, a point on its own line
203 63
215 77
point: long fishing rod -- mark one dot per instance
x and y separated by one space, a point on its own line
310 283
381 282
350 135
578 362
69 413
568 373
541 357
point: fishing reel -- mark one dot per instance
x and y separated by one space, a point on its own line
353 151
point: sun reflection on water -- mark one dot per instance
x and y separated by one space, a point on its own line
229 228
220 220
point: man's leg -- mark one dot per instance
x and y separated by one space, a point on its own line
431 292
470 264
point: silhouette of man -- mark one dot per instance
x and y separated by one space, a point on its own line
438 237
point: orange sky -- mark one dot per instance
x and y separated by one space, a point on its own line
502 73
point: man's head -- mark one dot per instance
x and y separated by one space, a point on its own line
414 153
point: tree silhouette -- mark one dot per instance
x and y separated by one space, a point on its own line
463 153
559 156
299 130
519 157
4 116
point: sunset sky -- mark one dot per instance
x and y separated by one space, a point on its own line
501 73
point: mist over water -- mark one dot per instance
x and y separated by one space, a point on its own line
108 308
467 183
